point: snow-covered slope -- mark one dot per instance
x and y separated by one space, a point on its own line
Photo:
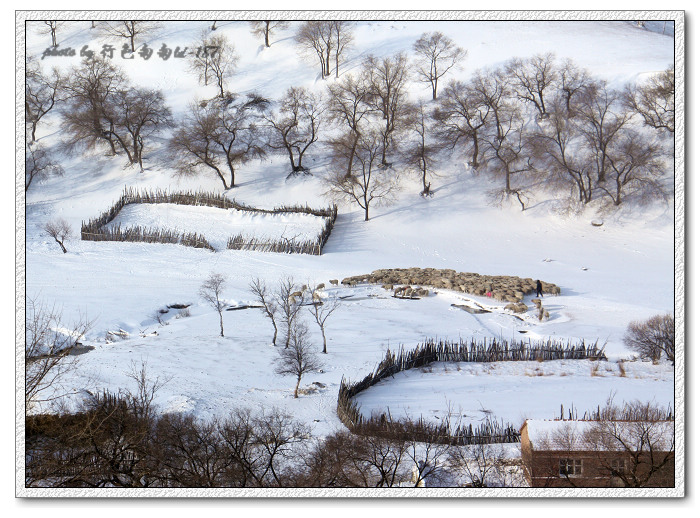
609 275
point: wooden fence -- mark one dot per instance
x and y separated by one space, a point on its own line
96 229
488 350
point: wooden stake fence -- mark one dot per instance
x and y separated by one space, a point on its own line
96 229
488 350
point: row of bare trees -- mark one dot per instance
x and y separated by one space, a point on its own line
119 440
283 307
583 136
530 122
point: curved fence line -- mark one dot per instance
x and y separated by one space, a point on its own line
488 350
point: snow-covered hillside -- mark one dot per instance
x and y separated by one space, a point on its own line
609 275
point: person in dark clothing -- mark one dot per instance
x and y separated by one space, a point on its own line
539 289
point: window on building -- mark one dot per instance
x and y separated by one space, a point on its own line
570 467
618 465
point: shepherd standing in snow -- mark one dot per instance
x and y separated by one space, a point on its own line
539 289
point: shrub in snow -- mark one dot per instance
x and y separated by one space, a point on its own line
653 338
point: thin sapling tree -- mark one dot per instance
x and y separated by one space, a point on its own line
59 230
299 358
211 291
269 305
321 310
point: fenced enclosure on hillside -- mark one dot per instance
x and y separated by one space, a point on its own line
96 229
487 350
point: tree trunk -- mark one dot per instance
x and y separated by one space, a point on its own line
296 389
475 155
274 337
323 334
367 212
291 157
267 34
220 82
221 322
352 153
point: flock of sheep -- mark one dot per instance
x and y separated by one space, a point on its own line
411 282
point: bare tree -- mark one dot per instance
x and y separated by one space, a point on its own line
223 62
654 100
89 117
317 38
130 29
295 126
384 459
146 388
634 166
59 229
427 456
331 462
38 165
51 27
349 107
367 183
289 300
102 107
299 358
341 31
211 291
269 305
190 452
218 135
572 81
321 311
653 337
200 60
265 29
215 59
48 344
600 117
41 93
387 79
262 448
532 78
508 151
559 155
643 434
461 117
437 55
484 465
421 147
143 113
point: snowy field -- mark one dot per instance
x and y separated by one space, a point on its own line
218 225
609 275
